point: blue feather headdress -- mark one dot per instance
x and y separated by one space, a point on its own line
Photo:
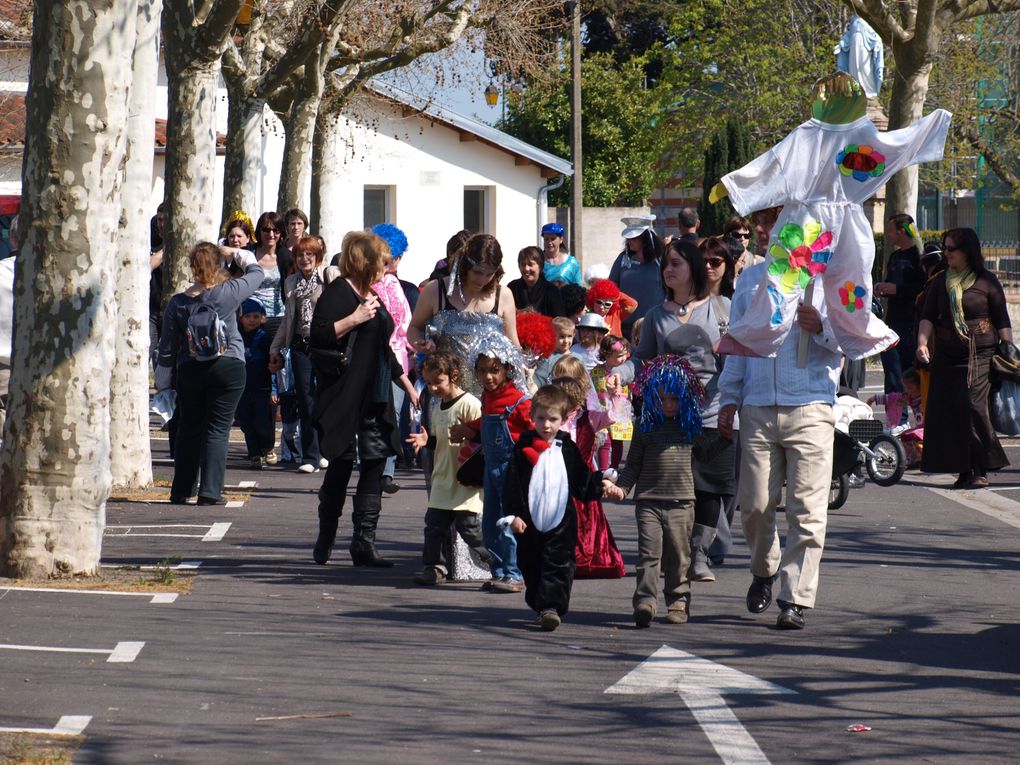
674 376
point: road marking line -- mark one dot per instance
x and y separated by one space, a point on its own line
184 565
68 725
984 501
216 532
247 484
123 653
234 503
159 597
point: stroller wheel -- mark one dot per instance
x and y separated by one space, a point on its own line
839 490
889 462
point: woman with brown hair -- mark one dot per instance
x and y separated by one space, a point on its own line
964 317
350 337
472 287
210 380
276 262
719 266
302 290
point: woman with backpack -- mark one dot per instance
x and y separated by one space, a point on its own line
201 347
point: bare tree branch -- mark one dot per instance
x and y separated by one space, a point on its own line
882 19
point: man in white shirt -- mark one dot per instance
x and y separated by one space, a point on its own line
786 434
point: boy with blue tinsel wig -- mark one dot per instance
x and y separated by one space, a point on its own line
658 467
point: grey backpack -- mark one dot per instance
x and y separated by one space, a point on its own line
207 334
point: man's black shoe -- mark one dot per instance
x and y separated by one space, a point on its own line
791 617
759 594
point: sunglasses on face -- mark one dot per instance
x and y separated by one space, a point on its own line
714 262
604 303
742 234
270 230
950 248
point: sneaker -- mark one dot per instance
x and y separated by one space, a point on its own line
506 584
323 463
270 457
307 468
549 620
389 485
677 614
643 613
430 577
256 463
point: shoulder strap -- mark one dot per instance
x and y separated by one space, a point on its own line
510 409
442 294
495 308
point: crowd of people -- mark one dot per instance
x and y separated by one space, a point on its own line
519 401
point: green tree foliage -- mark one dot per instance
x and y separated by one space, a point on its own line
728 150
623 139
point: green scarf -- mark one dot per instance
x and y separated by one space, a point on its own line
956 283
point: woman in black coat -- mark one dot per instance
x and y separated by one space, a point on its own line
350 336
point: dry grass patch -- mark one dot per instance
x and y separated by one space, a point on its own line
162 578
160 492
38 749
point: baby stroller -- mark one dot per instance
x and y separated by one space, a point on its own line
860 439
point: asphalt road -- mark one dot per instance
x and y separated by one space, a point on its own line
915 636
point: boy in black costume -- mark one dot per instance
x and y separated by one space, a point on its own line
546 472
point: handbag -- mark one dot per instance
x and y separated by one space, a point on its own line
1003 408
1006 362
472 465
333 363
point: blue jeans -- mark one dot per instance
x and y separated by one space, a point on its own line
498 445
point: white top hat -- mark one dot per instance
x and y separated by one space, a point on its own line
593 321
636 225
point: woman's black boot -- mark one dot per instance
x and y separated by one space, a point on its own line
330 511
365 518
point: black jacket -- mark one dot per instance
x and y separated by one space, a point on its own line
342 401
544 297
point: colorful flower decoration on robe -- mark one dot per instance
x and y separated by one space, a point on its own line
799 253
852 296
861 162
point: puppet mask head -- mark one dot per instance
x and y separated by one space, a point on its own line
838 99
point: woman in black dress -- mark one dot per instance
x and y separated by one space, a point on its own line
354 399
964 318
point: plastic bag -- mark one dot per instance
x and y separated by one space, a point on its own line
1004 409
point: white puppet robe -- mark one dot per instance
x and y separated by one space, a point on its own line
822 174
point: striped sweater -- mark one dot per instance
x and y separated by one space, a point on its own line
658 465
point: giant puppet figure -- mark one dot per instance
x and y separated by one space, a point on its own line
821 174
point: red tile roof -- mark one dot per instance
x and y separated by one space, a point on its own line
12 124
15 19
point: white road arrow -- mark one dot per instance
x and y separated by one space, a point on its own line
702 684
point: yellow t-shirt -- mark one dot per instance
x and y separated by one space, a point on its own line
447 492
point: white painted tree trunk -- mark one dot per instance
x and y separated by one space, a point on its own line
55 465
131 457
243 166
326 182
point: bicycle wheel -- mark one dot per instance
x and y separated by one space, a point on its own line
839 491
889 462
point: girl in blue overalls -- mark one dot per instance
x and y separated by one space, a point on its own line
506 414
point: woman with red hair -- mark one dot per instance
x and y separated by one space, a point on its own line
605 299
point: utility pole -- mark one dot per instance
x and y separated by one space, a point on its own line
576 182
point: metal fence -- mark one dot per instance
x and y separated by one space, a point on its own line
1003 259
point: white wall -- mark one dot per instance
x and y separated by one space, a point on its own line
429 167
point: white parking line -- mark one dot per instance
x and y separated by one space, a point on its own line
159 597
234 503
216 532
122 653
184 565
247 484
984 501
68 725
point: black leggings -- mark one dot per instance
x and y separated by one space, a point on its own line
338 475
707 506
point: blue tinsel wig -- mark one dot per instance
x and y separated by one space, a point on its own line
672 375
394 237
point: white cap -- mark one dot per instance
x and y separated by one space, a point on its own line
636 225
592 321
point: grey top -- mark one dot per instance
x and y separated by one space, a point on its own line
658 465
225 298
664 333
640 281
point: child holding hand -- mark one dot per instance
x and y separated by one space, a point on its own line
896 413
658 468
506 414
450 502
614 372
546 473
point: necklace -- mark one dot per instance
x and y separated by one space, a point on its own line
682 307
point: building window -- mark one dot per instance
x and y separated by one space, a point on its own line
378 204
476 210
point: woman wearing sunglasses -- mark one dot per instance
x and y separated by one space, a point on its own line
740 229
719 265
269 234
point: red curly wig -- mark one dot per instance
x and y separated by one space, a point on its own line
601 289
536 333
